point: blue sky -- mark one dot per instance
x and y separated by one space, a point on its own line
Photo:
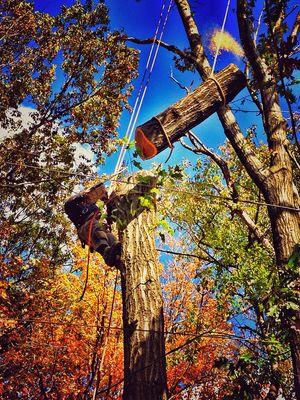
138 19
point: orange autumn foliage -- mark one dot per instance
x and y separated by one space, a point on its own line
206 336
53 346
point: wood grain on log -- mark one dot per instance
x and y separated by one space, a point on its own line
178 119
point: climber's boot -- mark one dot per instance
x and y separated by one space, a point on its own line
112 254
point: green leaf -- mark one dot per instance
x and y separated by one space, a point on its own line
247 357
162 236
137 152
154 191
292 305
145 202
273 310
294 258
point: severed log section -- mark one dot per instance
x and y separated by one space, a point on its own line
167 127
143 322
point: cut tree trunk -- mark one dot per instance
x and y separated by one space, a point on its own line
154 135
144 345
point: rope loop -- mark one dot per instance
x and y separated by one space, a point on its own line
164 132
89 242
222 94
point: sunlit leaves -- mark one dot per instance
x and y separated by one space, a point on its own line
76 48
239 271
53 343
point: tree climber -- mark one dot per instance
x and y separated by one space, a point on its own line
84 213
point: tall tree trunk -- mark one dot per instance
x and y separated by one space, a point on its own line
285 226
144 346
278 185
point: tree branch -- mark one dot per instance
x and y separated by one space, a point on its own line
199 147
280 69
257 64
274 123
242 148
166 46
187 90
258 24
292 39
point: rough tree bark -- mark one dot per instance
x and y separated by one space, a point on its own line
278 187
194 108
144 346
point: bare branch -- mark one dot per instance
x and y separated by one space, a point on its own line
248 43
254 97
166 46
199 147
254 229
258 24
178 83
280 18
187 146
292 39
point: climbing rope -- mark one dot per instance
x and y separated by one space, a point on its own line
134 116
108 178
142 91
109 323
89 254
137 100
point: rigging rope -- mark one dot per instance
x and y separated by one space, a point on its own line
212 77
192 193
220 37
109 323
89 254
142 91
119 328
134 116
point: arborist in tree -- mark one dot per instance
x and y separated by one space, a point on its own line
84 213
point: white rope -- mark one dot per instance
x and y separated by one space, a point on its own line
152 66
220 38
118 164
142 90
135 117
139 100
